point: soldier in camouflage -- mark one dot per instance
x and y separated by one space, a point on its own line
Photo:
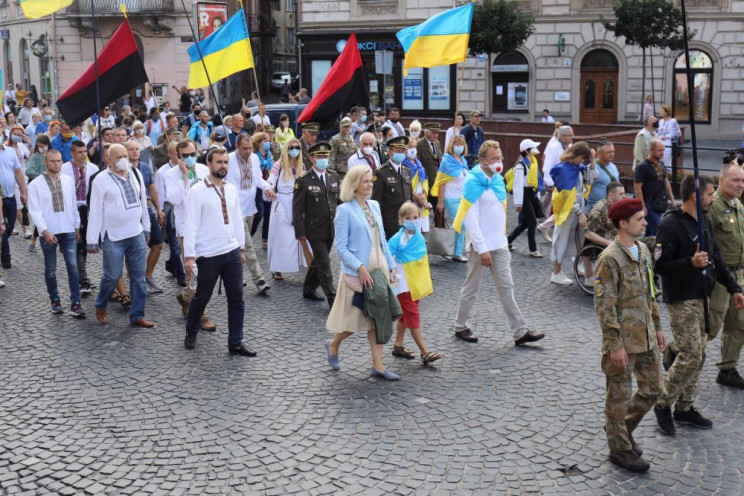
342 147
629 316
599 228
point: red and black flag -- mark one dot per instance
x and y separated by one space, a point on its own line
120 69
344 87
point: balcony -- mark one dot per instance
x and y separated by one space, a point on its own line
111 7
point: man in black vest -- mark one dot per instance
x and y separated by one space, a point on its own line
392 185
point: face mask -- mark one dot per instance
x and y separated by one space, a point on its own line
321 163
411 224
47 118
266 146
122 164
156 117
43 149
190 162
363 118
367 150
399 157
16 138
415 134
139 132
67 135
496 167
294 153
411 153
458 150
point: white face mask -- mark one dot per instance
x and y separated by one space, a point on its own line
43 149
122 164
367 150
415 134
496 167
411 153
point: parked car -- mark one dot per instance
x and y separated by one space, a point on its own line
278 79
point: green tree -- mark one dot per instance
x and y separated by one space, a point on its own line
500 26
648 24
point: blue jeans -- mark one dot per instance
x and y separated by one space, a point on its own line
68 246
174 261
114 252
653 218
9 213
450 209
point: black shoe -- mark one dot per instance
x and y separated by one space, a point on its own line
530 337
182 281
634 446
629 460
692 417
467 335
669 357
731 378
330 302
263 288
313 296
190 341
6 265
664 419
242 350
84 287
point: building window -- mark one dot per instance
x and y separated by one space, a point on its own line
291 5
25 66
319 70
291 39
46 78
702 79
8 63
510 75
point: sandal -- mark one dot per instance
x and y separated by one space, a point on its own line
431 356
277 276
115 296
403 352
126 301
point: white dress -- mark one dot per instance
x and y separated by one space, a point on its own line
285 252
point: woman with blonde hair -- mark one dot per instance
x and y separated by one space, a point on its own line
448 186
143 141
285 252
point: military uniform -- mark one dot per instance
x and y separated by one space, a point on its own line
313 209
342 147
727 220
312 127
392 189
600 224
629 318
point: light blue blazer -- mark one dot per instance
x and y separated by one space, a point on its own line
354 236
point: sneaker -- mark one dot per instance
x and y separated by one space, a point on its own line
545 233
460 258
263 288
2 283
152 285
692 417
561 279
536 254
588 282
31 248
77 310
27 233
447 257
629 460
84 287
580 269
669 357
664 420
15 232
56 306
728 377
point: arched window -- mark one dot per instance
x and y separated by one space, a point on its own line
701 68
25 66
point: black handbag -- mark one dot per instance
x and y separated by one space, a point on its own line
659 204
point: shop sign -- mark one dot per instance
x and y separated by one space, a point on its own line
367 46
4 34
510 68
562 96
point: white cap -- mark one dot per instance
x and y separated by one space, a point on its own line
526 144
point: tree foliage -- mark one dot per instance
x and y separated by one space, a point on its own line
648 24
500 26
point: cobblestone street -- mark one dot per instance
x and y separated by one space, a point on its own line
111 409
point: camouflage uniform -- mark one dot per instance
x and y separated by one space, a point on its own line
629 317
598 223
727 219
342 147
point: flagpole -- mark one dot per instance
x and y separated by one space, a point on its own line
98 89
250 54
459 90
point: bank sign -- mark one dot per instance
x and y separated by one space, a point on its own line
372 46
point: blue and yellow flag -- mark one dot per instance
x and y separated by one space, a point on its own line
412 256
449 169
225 52
418 176
440 40
33 9
476 184
566 178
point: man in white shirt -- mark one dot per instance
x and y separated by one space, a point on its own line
261 119
244 172
488 247
173 265
119 220
151 103
392 123
546 117
11 174
214 242
52 206
366 154
79 170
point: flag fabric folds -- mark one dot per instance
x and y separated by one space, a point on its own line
33 9
566 178
225 52
449 169
440 40
418 176
120 69
344 86
476 184
412 256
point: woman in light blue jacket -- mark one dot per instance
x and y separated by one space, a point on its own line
362 249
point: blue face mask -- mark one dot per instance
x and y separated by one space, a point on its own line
266 146
321 163
190 162
458 150
294 153
16 138
363 118
411 224
47 118
399 157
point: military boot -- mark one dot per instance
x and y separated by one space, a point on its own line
629 460
634 446
669 357
731 378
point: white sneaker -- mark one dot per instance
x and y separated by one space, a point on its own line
559 278
589 282
545 233
2 283
27 233
536 254
581 270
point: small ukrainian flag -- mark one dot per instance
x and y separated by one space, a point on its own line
33 9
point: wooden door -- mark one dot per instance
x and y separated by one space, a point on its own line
598 91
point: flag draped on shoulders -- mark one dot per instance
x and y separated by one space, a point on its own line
225 52
534 179
449 169
412 256
418 176
476 184
566 177
33 9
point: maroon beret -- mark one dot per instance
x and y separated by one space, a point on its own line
622 209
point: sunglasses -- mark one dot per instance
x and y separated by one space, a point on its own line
188 155
294 148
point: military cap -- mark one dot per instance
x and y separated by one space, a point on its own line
269 129
311 127
345 122
398 141
320 148
171 131
433 126
622 209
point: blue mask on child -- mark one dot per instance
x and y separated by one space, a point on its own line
411 224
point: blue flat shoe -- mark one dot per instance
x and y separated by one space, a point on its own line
332 359
387 375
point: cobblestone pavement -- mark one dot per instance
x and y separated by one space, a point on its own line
111 409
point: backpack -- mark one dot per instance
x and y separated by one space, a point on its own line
509 178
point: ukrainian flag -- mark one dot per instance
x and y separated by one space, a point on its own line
476 184
441 40
449 169
33 9
415 263
225 52
566 179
